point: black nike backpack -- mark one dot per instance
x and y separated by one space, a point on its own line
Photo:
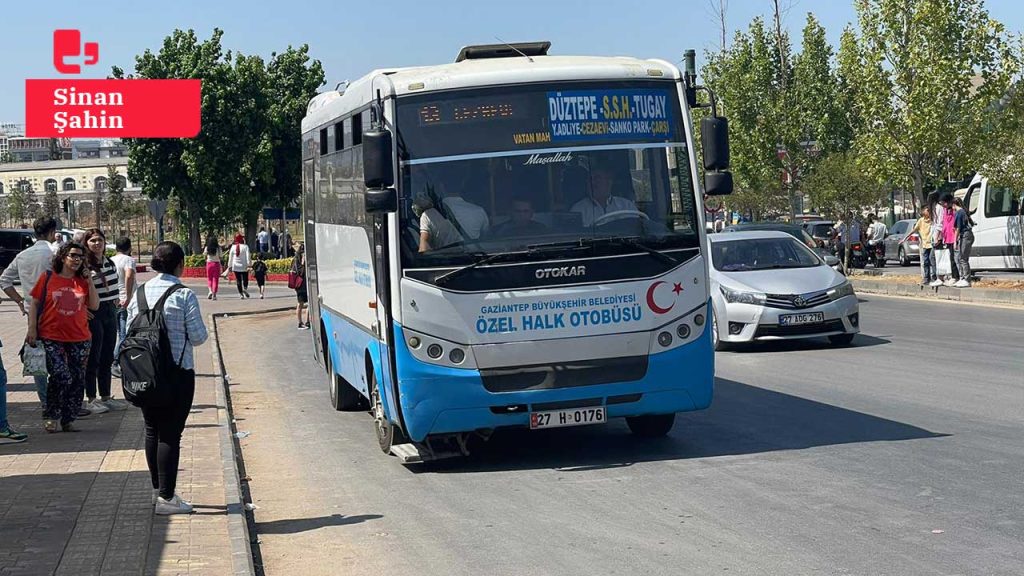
148 368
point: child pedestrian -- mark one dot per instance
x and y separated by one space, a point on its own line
259 272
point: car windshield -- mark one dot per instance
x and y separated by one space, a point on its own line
761 254
558 185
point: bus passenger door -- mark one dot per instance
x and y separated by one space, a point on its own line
384 325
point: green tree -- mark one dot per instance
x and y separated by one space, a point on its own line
839 187
928 72
51 204
19 201
115 204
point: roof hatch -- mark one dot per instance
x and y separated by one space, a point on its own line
513 50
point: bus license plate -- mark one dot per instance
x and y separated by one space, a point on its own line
570 417
807 318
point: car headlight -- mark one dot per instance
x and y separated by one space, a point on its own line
841 291
739 297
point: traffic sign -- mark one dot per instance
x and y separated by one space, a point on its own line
713 204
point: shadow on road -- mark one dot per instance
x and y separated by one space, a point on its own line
742 419
297 525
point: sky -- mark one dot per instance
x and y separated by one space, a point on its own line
353 38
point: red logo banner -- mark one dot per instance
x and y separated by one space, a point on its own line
68 108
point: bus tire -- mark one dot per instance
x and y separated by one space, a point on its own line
343 396
387 433
651 425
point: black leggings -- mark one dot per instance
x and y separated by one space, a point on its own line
101 356
164 425
242 282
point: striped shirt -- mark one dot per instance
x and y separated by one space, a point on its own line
105 281
184 320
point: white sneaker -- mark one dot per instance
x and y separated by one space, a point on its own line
961 283
96 406
173 506
948 282
115 404
936 283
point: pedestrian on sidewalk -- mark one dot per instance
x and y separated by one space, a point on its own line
238 264
213 258
964 242
923 227
259 272
8 435
275 240
185 329
301 294
125 265
949 237
102 325
26 268
262 240
58 318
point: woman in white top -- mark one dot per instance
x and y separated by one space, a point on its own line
213 256
238 262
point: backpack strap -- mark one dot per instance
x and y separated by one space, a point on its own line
140 297
174 288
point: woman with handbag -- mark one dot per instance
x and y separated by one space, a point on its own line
297 281
58 319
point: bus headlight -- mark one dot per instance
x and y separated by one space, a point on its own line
740 297
683 331
457 356
665 339
840 291
414 342
435 351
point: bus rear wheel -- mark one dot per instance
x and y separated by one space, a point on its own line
387 434
651 425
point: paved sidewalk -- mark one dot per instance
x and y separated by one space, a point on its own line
81 503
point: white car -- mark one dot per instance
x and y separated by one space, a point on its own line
766 285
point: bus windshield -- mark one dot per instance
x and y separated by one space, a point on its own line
494 172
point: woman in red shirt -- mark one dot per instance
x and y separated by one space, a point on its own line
58 319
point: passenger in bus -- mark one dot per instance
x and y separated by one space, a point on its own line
601 201
472 219
435 230
521 222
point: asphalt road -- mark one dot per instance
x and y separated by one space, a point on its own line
900 455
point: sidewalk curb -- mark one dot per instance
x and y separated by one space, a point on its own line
914 290
231 457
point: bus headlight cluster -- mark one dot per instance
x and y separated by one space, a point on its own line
437 351
683 331
665 339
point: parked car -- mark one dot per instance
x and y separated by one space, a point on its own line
12 241
766 285
821 231
797 232
896 249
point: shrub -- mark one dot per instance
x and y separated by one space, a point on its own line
279 266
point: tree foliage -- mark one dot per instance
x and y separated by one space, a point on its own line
51 204
928 73
230 169
840 187
115 204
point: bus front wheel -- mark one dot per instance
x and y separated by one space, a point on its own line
652 425
387 434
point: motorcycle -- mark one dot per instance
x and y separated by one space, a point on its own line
858 255
876 254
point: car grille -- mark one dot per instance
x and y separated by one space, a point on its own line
787 301
799 329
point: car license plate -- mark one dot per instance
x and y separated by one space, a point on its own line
806 318
570 417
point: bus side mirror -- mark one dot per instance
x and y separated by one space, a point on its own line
380 200
714 136
378 171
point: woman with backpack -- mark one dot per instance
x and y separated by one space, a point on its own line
185 329
259 272
58 319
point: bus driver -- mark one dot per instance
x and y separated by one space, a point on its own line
601 201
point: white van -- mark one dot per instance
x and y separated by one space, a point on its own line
996 212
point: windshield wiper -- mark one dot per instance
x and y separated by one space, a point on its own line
482 258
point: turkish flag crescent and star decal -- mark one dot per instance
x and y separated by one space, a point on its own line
677 288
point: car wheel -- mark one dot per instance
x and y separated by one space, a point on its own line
841 339
652 425
716 342
903 259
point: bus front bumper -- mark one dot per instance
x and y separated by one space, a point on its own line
440 400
